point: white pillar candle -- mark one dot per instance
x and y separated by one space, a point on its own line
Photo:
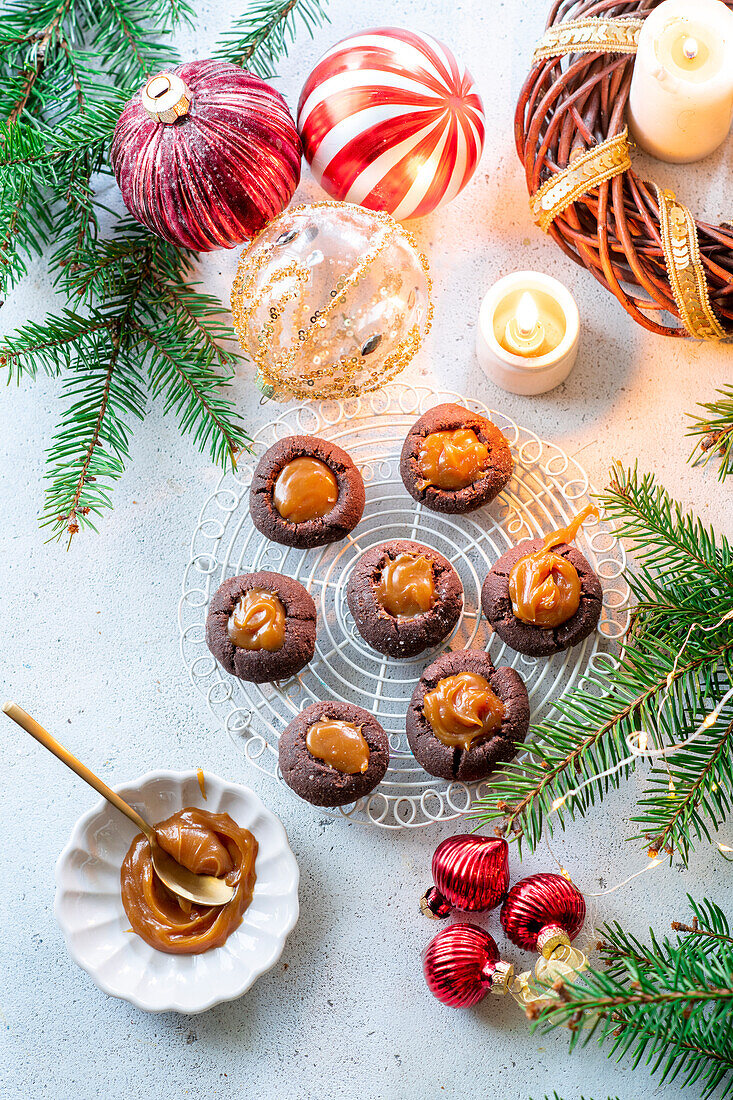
528 332
681 98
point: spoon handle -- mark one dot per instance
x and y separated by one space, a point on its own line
36 730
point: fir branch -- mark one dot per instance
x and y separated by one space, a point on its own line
198 315
708 920
90 447
45 183
671 1004
51 17
662 536
50 346
124 36
715 433
669 679
193 390
692 793
584 736
141 281
50 63
260 38
137 324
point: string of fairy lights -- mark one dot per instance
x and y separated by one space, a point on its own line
639 745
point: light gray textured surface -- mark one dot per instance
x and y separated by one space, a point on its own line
90 646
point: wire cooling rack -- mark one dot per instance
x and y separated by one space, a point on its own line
547 488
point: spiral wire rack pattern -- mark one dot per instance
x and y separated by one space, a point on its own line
545 491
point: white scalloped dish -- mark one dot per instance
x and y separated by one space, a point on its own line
89 910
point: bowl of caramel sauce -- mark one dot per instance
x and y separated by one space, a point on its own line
141 944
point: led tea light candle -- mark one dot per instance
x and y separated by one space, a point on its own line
528 330
681 97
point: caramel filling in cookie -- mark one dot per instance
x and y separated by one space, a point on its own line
258 621
452 459
406 587
305 489
544 587
340 744
462 708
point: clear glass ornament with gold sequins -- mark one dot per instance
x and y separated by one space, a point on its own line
330 300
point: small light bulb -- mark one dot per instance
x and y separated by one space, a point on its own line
527 314
725 848
558 802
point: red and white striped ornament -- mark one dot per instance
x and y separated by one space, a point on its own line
391 121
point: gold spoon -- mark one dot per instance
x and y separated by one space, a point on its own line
201 889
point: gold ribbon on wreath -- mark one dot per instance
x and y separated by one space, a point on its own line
680 242
589 35
685 271
596 166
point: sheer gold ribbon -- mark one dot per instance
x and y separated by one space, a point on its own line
684 268
535 988
599 164
589 36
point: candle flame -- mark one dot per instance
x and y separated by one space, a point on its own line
690 48
527 314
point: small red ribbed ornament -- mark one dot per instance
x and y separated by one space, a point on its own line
542 908
470 872
461 964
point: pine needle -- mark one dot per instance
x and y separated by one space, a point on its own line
260 38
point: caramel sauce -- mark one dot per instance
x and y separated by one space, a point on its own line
258 621
461 709
205 843
452 459
406 587
305 489
544 587
340 744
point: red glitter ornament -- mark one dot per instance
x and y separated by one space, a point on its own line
461 964
542 911
470 872
205 154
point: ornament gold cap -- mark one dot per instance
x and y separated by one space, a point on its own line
266 388
166 97
502 978
425 908
433 905
550 938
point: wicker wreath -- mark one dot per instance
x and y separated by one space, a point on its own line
573 101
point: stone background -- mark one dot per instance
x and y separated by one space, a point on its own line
91 647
